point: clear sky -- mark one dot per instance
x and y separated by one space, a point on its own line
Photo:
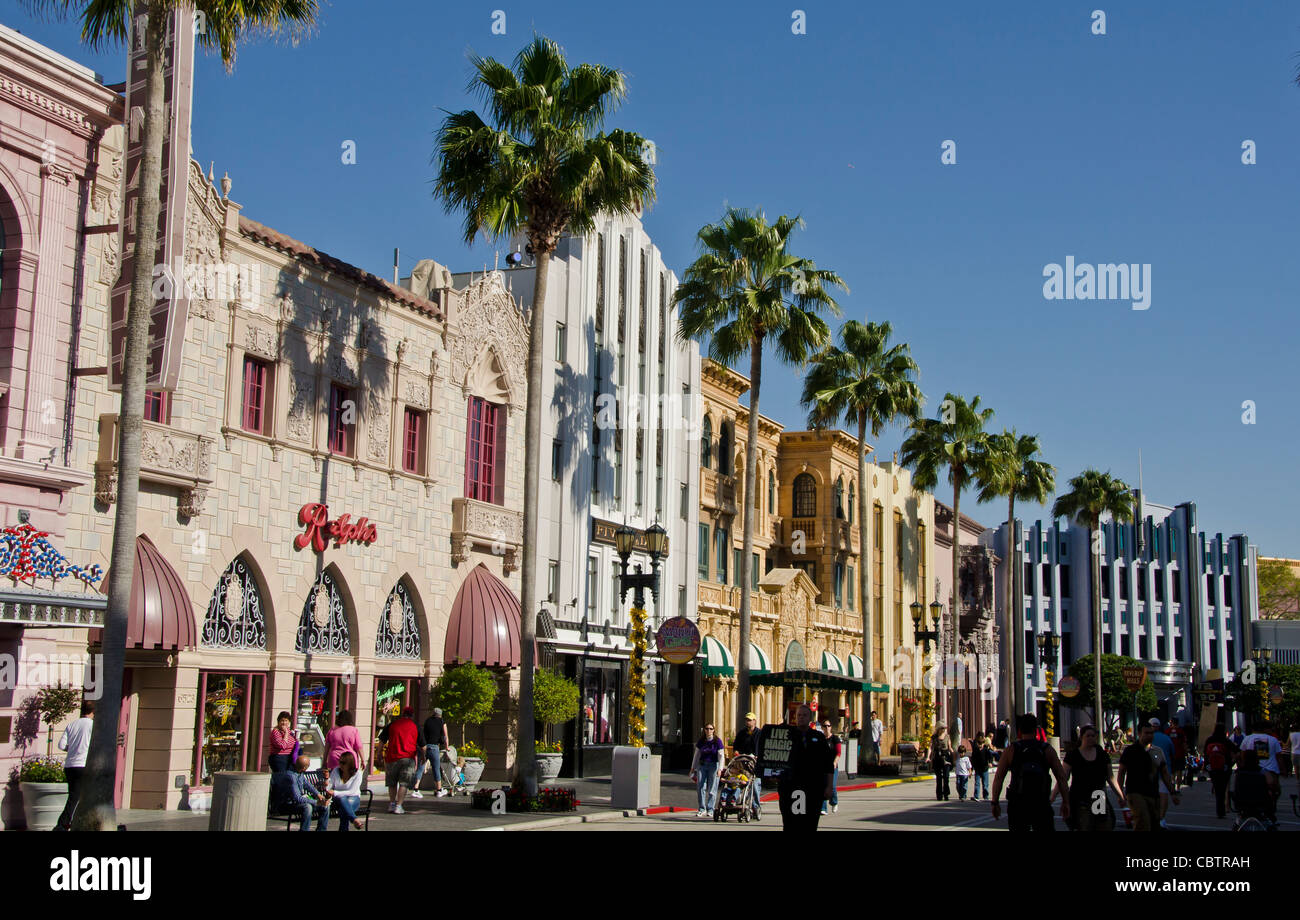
1122 147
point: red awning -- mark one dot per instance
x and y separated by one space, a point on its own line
484 624
161 615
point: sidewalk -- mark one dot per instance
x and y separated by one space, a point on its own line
454 813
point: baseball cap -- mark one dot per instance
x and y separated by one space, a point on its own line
750 715
1154 723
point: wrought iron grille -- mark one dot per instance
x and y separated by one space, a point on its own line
323 627
404 642
234 618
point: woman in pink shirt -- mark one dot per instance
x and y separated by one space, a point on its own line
284 743
343 737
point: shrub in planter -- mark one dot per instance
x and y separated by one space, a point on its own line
44 787
469 750
466 694
548 798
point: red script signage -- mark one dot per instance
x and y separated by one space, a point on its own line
318 529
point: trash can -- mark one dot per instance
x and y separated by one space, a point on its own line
239 801
850 766
630 777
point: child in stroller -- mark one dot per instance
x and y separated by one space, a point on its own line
736 790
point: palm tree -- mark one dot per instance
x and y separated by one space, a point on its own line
104 23
1013 469
541 166
869 382
744 290
1091 495
956 440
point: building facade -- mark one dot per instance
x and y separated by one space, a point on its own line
1176 598
620 398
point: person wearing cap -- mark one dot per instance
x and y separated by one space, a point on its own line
746 742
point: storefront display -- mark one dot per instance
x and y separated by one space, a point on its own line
392 695
230 735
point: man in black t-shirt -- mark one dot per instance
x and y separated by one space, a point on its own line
1031 763
746 742
805 783
1140 774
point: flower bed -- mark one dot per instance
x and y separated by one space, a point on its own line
550 798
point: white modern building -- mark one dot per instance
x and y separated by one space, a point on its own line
622 407
1176 598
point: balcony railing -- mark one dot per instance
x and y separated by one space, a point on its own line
806 526
168 456
476 524
718 490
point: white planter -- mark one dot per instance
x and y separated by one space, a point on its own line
473 771
43 803
548 767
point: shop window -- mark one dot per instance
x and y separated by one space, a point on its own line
158 407
323 626
230 734
413 437
343 420
483 439
320 698
399 634
257 376
601 700
805 496
392 695
234 618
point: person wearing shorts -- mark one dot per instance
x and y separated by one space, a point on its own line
399 758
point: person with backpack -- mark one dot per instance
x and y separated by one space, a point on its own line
1266 749
1218 761
1140 771
941 761
1031 764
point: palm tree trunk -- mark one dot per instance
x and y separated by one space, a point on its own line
525 761
1015 615
868 658
1096 627
97 810
742 570
954 606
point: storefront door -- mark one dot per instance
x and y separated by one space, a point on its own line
392 695
231 734
320 698
123 736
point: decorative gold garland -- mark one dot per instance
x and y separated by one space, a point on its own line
636 681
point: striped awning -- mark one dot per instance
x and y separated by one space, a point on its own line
717 660
855 667
758 663
832 663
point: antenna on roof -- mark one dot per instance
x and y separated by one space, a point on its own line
396 254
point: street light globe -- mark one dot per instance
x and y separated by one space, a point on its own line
625 541
656 541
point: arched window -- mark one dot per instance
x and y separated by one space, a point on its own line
234 618
852 498
706 444
838 494
726 439
323 627
771 492
399 634
805 496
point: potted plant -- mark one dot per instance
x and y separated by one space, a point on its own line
45 791
466 693
555 701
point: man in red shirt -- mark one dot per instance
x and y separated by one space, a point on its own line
399 757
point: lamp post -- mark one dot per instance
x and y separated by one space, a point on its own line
656 544
1262 658
1049 646
923 636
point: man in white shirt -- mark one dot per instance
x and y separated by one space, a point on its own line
877 732
76 741
1266 749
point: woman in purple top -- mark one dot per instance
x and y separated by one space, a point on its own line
343 737
704 770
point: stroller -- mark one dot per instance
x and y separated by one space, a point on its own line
453 777
736 790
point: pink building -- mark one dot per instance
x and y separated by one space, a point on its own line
53 114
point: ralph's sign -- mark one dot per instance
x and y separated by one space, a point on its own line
318 529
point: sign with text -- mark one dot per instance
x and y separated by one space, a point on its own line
775 745
678 640
168 313
318 529
603 532
1134 677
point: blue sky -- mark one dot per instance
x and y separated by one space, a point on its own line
1123 147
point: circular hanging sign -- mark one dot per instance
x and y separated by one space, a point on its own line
1275 694
678 640
1069 687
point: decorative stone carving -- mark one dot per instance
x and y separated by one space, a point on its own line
415 392
261 342
234 599
106 486
377 426
402 347
396 615
203 251
168 456
302 405
489 318
192 501
320 608
492 527
341 366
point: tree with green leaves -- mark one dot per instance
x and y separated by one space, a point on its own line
1094 494
555 698
870 383
747 290
1279 590
466 693
538 164
1014 469
1116 697
105 23
955 441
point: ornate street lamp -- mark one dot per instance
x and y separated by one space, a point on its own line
923 636
656 544
1049 648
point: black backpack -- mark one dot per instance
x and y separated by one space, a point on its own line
1031 780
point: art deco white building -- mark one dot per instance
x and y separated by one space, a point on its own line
621 444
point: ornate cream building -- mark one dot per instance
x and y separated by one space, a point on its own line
806 612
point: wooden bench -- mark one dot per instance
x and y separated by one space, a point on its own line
318 778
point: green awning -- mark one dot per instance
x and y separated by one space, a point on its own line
758 663
717 660
855 667
817 680
831 662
